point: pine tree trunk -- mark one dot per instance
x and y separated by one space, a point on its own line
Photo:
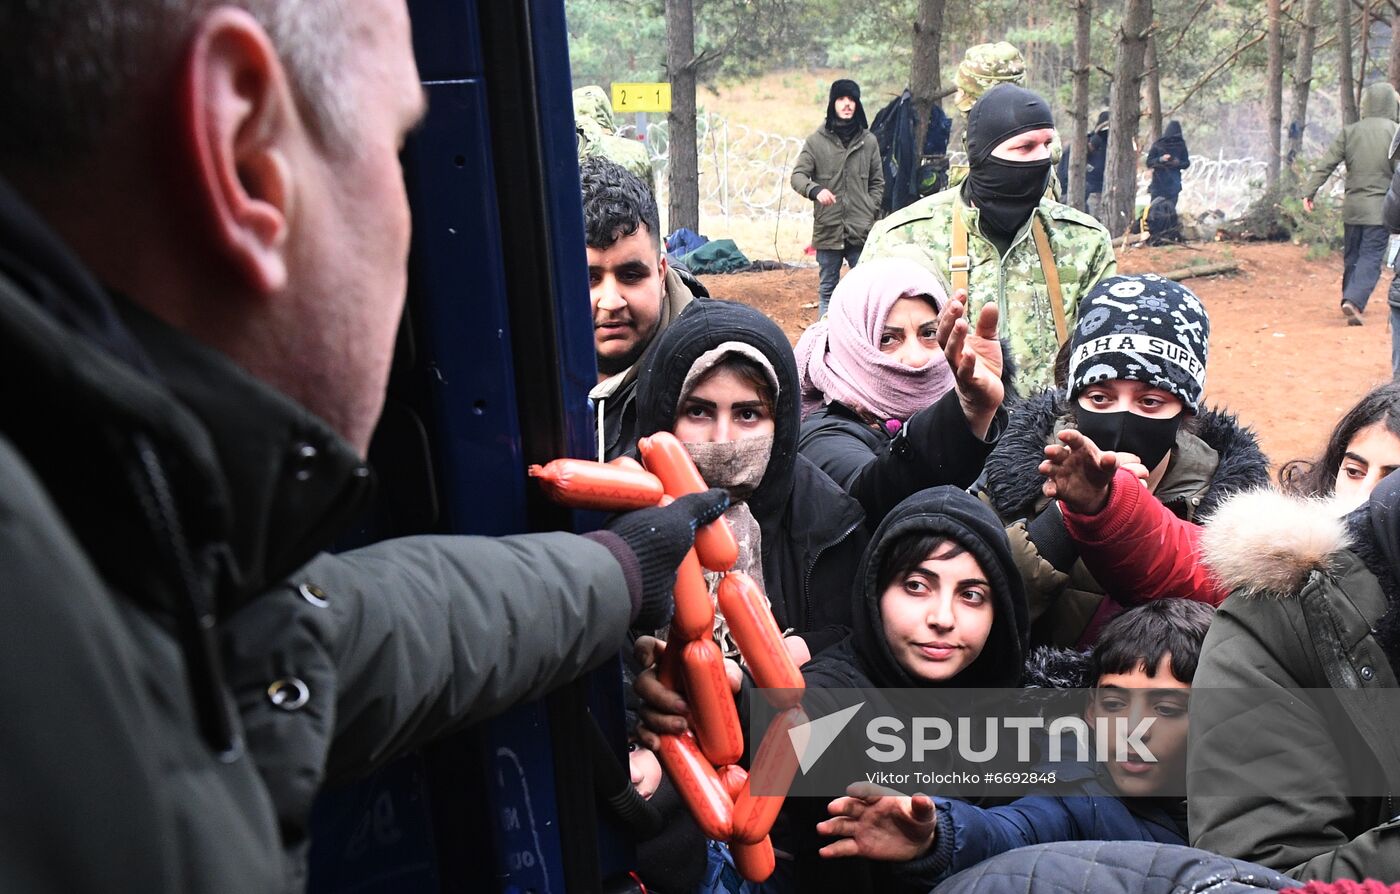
1275 98
1345 81
1302 79
1392 71
1079 147
1120 176
683 161
924 81
1154 92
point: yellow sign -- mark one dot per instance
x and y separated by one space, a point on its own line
641 97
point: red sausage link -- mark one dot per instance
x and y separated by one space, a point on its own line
755 862
756 633
694 617
666 458
668 667
585 484
774 765
733 777
627 462
715 719
699 785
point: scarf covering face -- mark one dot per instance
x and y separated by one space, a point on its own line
839 357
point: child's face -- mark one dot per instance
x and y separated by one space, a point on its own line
938 616
646 769
1133 697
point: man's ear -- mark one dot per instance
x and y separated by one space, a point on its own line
237 113
662 266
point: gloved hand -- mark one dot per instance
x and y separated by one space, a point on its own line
657 540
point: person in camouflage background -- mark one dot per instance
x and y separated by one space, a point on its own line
1008 143
983 67
597 135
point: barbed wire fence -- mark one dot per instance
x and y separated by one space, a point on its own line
744 175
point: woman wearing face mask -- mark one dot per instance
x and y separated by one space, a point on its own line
1363 449
723 378
1103 485
1000 238
891 403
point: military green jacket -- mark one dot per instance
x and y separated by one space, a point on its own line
1083 255
596 129
854 173
1364 147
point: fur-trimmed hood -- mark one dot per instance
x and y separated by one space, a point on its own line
1012 481
1264 542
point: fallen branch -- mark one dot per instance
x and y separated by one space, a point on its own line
1201 270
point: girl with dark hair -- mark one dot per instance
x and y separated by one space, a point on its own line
1363 449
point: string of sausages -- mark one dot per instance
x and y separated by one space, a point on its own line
703 761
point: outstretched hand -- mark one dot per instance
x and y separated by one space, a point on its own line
974 355
879 824
1078 473
663 709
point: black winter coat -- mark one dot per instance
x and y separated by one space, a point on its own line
812 532
152 497
879 469
1166 171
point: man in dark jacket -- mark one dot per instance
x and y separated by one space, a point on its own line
1390 216
1315 606
635 293
839 169
198 301
1364 147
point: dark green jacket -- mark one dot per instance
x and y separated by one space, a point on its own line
1364 147
152 496
1306 606
853 173
1221 459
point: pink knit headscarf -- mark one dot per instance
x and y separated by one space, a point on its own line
839 358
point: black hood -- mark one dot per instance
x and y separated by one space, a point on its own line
1172 143
1002 113
956 514
703 326
1374 531
845 87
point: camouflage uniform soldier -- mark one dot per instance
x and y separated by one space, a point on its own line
985 66
999 204
597 135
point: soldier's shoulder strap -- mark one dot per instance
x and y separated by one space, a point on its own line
1052 277
958 261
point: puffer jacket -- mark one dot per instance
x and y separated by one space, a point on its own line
1364 147
1314 607
1095 867
152 496
853 173
1221 458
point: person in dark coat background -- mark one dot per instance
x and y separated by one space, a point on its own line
1167 158
1093 168
840 171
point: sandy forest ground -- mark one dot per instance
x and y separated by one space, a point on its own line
1281 356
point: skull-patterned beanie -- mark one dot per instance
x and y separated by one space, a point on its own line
1143 328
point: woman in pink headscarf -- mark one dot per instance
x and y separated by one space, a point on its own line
897 393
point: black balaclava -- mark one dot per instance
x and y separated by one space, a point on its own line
953 513
1005 193
845 130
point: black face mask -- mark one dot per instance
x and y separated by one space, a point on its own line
1150 439
1005 193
